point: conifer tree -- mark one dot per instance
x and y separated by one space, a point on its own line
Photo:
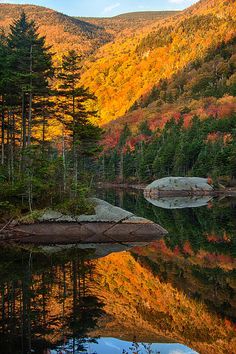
31 65
74 112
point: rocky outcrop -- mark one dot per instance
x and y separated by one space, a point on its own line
179 186
108 224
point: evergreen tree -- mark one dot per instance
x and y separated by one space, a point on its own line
74 112
31 65
2 92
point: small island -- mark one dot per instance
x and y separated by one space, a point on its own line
108 224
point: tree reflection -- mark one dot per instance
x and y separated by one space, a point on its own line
45 300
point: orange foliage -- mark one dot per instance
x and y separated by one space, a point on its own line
119 76
158 309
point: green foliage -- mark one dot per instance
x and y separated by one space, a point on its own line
203 148
79 205
34 171
160 38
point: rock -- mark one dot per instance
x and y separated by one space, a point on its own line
50 215
109 224
179 186
105 212
136 220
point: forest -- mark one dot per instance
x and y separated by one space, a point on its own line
34 168
203 148
184 126
151 102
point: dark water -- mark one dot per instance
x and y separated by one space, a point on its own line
175 294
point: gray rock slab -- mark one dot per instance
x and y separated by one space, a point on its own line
108 224
46 233
50 215
137 220
105 212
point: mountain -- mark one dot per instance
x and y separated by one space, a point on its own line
83 34
128 21
123 71
61 31
204 87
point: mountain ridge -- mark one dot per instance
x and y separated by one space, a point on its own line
128 21
121 73
61 31
64 32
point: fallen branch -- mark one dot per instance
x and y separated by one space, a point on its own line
7 224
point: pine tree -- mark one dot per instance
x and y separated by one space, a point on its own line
74 112
31 65
2 93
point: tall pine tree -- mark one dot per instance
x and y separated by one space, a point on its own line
31 64
74 112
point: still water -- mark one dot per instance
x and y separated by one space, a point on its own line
176 295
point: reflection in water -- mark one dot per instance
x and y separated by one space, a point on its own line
198 256
180 202
106 345
45 300
179 289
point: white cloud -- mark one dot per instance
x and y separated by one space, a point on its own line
111 7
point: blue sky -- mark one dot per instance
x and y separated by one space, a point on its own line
106 8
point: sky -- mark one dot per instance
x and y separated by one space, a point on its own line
106 8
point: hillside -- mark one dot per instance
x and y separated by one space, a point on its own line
61 31
183 126
205 86
123 71
83 34
129 21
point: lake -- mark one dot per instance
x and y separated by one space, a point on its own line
176 295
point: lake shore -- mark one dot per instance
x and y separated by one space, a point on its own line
228 192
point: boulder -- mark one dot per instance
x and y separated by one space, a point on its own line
179 186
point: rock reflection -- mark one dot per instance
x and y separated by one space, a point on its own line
180 202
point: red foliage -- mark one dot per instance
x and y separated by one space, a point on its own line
187 249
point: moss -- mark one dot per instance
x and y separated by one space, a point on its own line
76 206
30 218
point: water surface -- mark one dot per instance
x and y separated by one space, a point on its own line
177 294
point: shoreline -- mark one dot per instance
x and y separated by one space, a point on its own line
227 192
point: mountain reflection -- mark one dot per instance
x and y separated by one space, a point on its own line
178 289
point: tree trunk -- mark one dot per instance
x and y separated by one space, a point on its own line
3 134
23 138
64 161
30 96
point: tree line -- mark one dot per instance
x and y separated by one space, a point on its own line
200 148
32 92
